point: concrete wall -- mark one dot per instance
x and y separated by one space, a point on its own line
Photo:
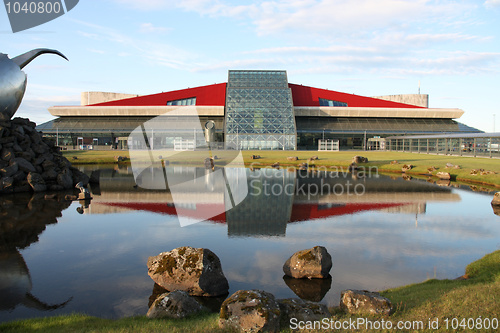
412 99
66 111
334 111
94 97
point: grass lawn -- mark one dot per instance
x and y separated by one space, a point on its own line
475 297
381 160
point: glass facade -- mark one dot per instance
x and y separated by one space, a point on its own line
463 144
66 131
259 111
327 102
185 101
351 132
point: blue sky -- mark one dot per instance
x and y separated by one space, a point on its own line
365 47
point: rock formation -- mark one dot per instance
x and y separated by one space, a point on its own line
250 311
496 199
196 271
301 311
359 159
364 302
310 263
29 162
443 175
177 304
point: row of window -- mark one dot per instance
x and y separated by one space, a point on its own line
327 102
192 100
185 101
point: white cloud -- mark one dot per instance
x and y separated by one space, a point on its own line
159 53
318 16
149 28
492 3
145 5
96 51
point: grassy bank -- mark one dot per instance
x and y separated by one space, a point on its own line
473 297
342 159
79 157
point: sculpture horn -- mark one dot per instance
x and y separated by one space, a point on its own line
24 59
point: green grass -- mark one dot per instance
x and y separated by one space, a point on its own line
93 156
342 159
474 297
203 323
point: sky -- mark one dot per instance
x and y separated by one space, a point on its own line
451 49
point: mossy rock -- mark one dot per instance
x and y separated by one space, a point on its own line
250 311
310 263
195 270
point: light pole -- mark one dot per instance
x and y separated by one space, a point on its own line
494 123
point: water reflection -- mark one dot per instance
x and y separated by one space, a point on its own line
313 290
397 232
274 198
24 218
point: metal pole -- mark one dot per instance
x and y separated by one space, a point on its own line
491 146
57 136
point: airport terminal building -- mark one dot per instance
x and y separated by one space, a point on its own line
254 109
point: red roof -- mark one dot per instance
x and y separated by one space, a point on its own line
309 96
215 95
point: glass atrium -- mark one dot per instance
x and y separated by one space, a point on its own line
259 111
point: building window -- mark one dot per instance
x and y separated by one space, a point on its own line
185 101
327 102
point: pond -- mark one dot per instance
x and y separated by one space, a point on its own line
60 257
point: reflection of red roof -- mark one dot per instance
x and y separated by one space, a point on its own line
300 212
304 212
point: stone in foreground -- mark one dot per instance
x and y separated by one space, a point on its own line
250 311
301 311
196 271
177 304
364 302
312 263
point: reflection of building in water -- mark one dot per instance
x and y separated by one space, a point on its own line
267 208
291 197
